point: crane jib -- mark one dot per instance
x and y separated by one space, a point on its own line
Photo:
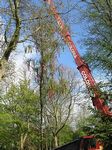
84 75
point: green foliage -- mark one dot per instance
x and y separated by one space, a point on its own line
98 125
66 135
7 137
99 56
79 128
99 38
18 115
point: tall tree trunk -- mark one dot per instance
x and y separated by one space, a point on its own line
55 141
23 140
41 103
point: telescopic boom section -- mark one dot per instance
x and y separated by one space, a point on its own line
82 66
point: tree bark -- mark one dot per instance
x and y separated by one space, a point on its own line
23 138
55 141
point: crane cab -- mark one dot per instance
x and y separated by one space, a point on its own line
83 143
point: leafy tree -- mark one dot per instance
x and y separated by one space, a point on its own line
46 44
99 56
98 125
99 38
19 117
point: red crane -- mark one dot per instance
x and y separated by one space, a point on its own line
83 68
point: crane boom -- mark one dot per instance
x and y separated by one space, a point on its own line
83 68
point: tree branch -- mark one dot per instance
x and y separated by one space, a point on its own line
15 37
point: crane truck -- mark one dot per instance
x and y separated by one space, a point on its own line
86 142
